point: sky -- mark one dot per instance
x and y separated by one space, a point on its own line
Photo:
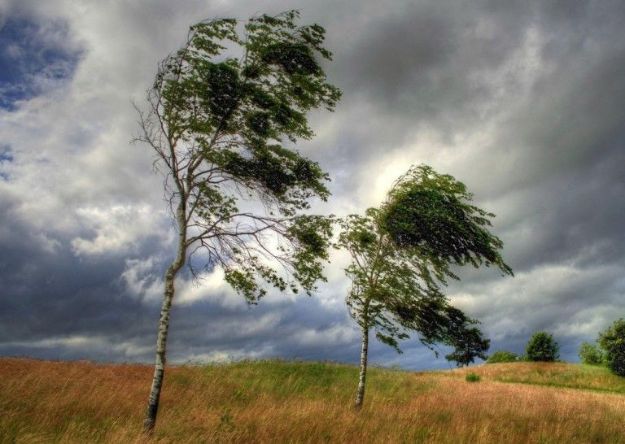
523 101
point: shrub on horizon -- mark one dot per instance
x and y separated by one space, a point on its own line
591 354
502 356
542 347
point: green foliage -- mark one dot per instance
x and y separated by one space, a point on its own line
502 356
590 354
612 341
472 377
433 214
542 347
396 286
224 112
468 342
313 234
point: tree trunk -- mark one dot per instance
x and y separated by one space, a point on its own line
360 395
163 325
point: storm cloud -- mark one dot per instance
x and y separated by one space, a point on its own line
521 100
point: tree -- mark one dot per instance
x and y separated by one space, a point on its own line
612 341
590 354
467 340
542 347
222 127
402 254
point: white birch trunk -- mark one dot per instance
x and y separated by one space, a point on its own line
360 394
163 325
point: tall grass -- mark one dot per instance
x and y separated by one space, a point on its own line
273 401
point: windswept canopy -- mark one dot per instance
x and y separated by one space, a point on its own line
433 214
224 113
403 253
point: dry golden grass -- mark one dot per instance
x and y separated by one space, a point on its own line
273 401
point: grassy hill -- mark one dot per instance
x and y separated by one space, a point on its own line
273 401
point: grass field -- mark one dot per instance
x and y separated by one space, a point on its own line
273 401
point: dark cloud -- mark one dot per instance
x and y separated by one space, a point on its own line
61 306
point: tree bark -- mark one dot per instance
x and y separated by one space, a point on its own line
163 325
360 394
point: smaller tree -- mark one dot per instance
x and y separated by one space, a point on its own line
612 341
590 354
502 356
468 341
542 347
403 253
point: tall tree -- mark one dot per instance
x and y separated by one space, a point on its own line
223 115
402 254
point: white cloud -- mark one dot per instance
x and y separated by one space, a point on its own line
548 298
141 280
117 228
208 286
335 335
225 356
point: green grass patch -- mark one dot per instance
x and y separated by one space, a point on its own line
556 374
247 380
472 377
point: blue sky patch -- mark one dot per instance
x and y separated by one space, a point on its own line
32 59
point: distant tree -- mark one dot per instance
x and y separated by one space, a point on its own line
468 341
402 254
468 346
502 356
542 347
612 341
590 354
222 127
